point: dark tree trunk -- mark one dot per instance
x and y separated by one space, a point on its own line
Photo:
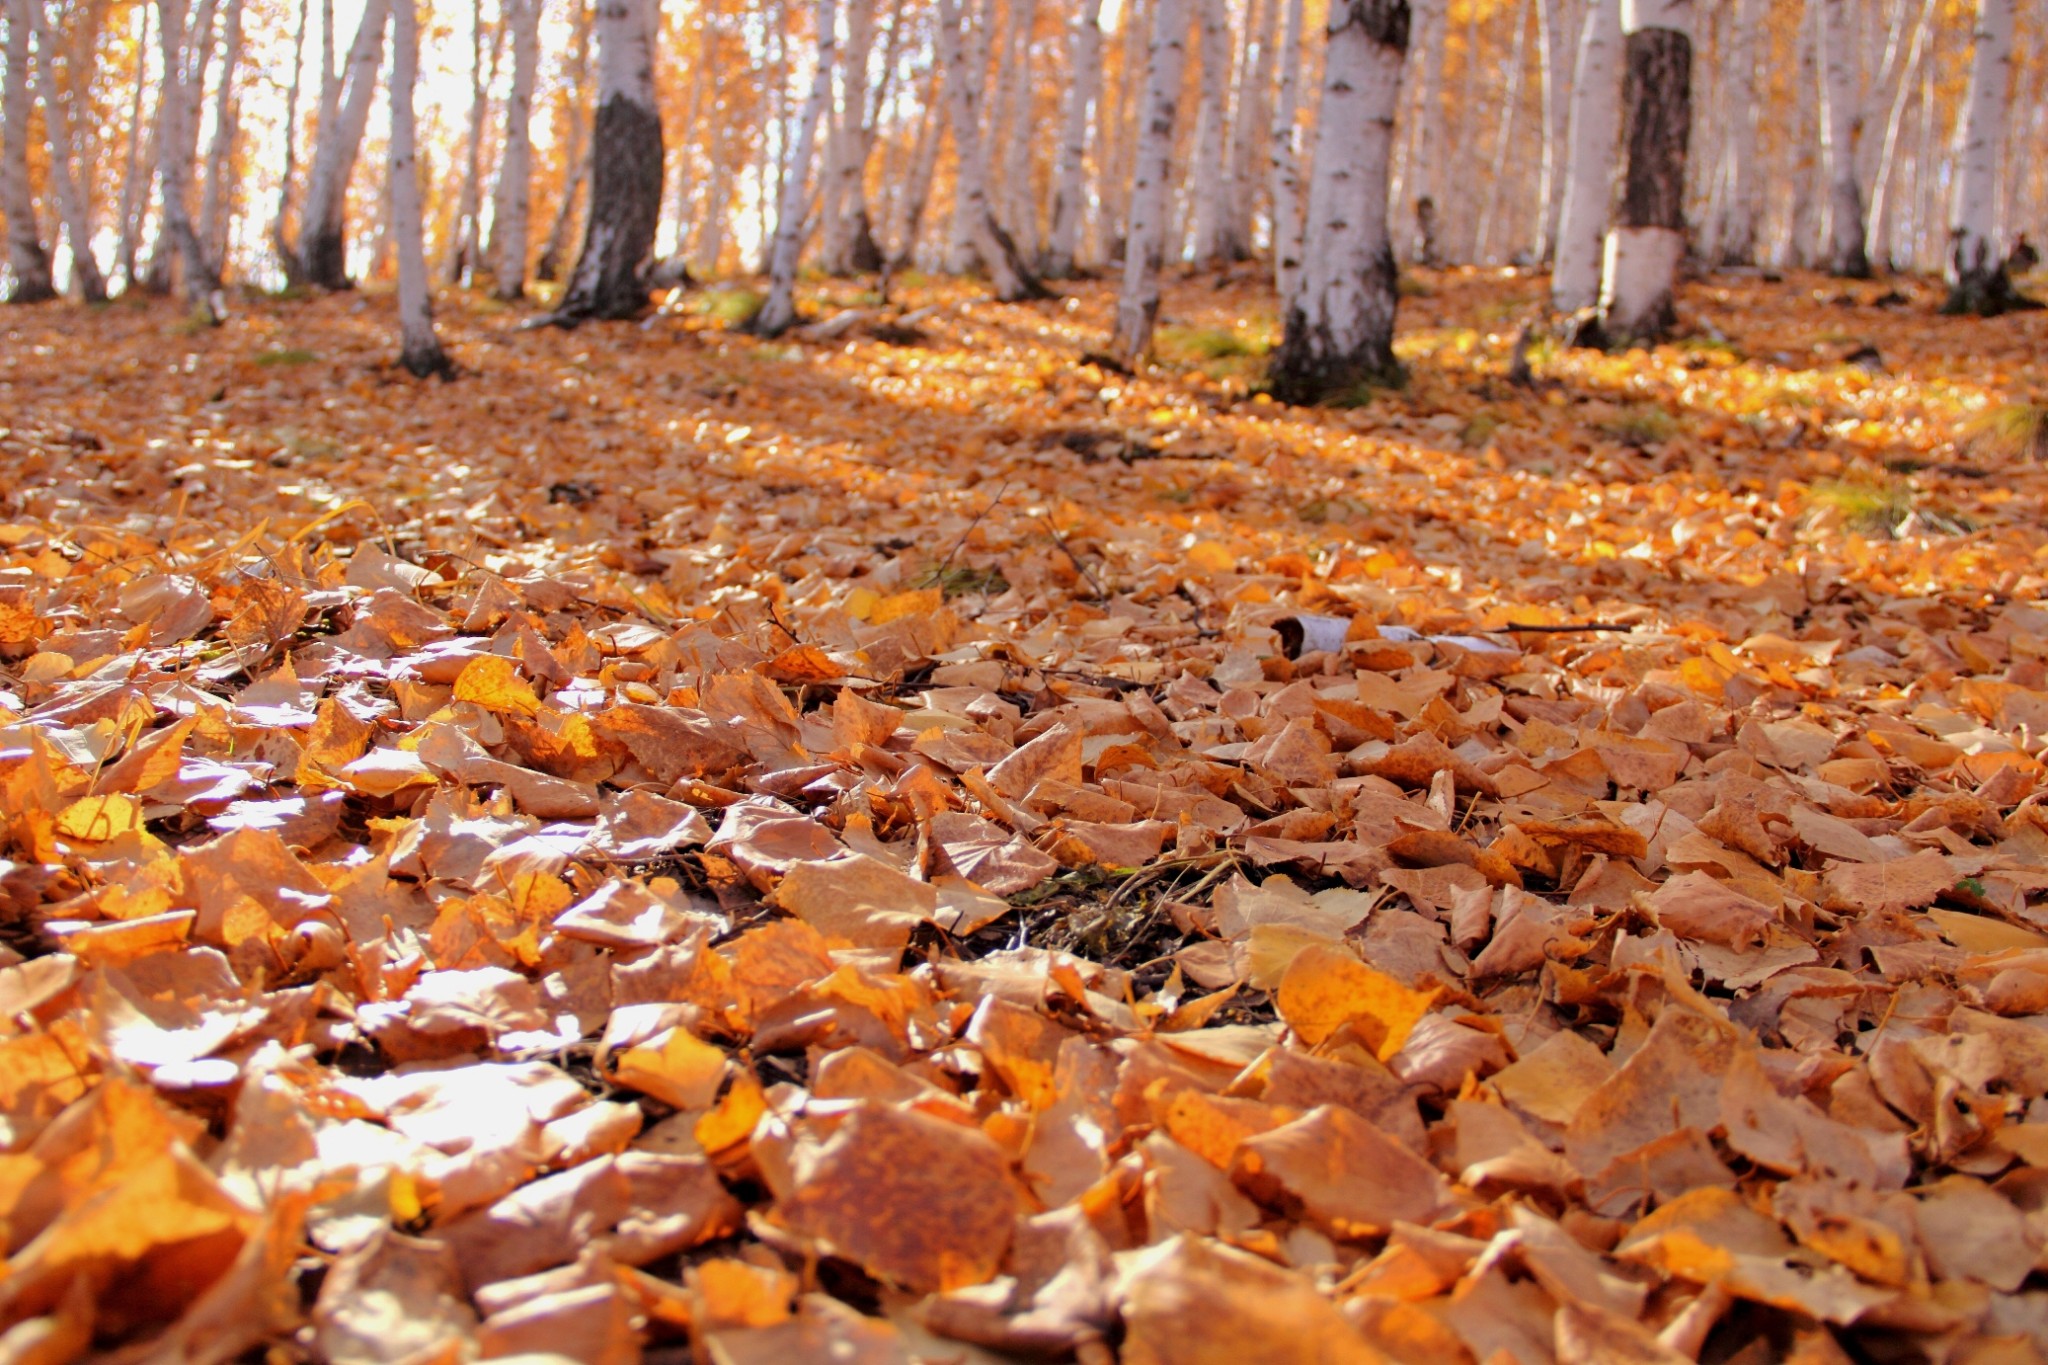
1649 219
610 280
1983 282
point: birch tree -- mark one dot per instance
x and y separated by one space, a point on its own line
1084 87
278 241
1208 171
610 279
1976 267
1837 140
26 257
1593 123
1287 221
512 196
419 349
1733 230
1339 331
974 218
779 312
321 257
1018 208
916 191
847 236
1251 120
62 176
1875 244
1137 306
1648 238
176 113
217 200
464 238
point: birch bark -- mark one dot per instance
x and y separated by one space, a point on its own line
216 202
1137 306
1837 140
26 256
1594 122
1643 250
1018 207
278 242
848 244
973 217
176 115
322 255
610 279
512 196
1876 244
419 349
1287 219
1251 118
1976 267
135 177
464 237
61 174
924 164
1339 335
779 312
1208 178
1734 227
1084 86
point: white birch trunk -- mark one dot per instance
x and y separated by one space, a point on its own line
176 113
1425 184
1502 172
1548 58
779 312
465 233
1208 178
1976 265
1837 140
1084 87
62 174
972 213
278 241
1877 242
26 256
924 163
1594 123
419 349
848 241
1734 227
512 197
216 204
322 254
1019 209
140 168
1137 307
1648 239
1287 209
1339 335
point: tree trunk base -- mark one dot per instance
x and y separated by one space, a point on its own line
426 361
28 289
1028 285
1306 372
323 259
610 280
1986 294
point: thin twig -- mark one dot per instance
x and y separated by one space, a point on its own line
946 563
1568 629
1061 541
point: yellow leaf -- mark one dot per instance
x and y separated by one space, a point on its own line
96 819
492 682
1326 988
685 1071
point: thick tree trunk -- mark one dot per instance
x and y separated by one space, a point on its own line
1734 226
1648 239
176 114
1837 140
576 152
26 256
1208 177
778 314
1287 208
1589 162
1339 336
610 280
1137 307
1548 60
1976 267
420 350
62 176
512 196
322 252
1876 242
1084 86
972 212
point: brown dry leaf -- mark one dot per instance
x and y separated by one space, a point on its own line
1340 1171
1192 1301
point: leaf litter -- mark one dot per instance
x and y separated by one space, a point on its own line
676 846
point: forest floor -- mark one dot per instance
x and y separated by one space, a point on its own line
909 844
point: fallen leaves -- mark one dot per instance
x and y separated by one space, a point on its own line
787 905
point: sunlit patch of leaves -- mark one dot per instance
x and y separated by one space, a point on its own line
2017 431
1480 427
734 306
964 580
1870 507
284 355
